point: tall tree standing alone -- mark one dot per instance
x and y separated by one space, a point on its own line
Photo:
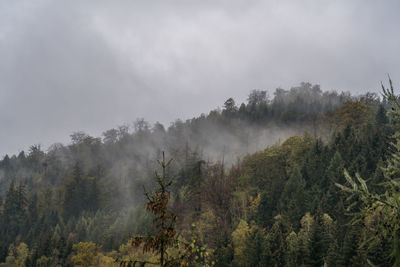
165 236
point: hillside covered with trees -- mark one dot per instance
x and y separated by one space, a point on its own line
294 179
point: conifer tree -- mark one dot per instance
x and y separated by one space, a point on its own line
255 248
386 204
293 198
165 236
319 243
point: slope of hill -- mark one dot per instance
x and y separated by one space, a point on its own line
257 180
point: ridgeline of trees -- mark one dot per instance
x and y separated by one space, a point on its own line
254 184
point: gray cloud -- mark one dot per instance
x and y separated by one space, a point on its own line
92 65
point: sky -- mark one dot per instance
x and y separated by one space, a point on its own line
68 66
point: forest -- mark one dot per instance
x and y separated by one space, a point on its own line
304 177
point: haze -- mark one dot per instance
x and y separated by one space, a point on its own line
92 65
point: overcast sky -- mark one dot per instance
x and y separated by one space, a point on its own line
93 65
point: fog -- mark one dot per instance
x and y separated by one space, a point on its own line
93 65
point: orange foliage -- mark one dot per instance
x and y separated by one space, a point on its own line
356 114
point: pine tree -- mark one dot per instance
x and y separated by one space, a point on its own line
387 205
350 248
276 241
74 191
292 256
255 248
165 234
293 198
318 245
333 194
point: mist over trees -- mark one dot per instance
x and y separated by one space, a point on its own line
255 183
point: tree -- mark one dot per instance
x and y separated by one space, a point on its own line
85 254
355 114
230 106
292 249
386 205
293 198
257 97
350 247
257 104
318 245
165 237
332 196
110 136
17 255
256 249
238 239
276 241
81 194
13 216
380 117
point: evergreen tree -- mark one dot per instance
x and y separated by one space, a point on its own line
293 198
165 234
256 250
318 245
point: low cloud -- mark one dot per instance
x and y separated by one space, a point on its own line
92 65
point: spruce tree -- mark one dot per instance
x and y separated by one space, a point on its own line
165 236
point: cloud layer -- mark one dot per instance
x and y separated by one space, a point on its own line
92 65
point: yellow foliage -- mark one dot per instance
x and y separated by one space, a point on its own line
292 241
294 148
255 202
85 254
327 220
238 238
239 204
207 225
307 222
105 261
43 261
272 163
17 255
355 114
127 252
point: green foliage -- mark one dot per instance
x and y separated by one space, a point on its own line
81 194
164 241
164 221
293 198
80 204
318 243
380 212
